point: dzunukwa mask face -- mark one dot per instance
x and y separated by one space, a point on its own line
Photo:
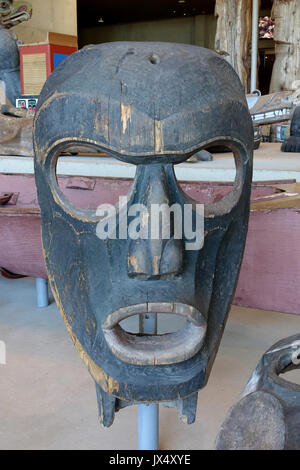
152 105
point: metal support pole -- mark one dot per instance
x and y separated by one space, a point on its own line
254 49
148 415
41 292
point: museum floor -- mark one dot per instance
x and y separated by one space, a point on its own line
47 398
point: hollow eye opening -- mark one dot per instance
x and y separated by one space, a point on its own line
83 178
218 197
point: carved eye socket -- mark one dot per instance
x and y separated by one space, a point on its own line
213 177
84 178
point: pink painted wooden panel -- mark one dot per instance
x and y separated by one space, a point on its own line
21 247
270 273
20 238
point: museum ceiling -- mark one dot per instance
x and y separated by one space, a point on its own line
99 12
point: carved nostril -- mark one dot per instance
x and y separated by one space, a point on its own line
139 260
172 257
145 258
158 253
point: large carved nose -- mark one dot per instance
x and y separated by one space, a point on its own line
162 252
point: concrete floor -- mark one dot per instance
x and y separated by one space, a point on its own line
47 398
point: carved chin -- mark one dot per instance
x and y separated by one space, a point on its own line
153 349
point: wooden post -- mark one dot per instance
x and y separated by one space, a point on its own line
286 69
233 36
254 42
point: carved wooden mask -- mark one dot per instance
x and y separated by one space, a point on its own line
267 415
153 105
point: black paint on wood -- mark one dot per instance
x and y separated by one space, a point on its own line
154 105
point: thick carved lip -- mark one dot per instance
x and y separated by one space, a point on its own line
154 349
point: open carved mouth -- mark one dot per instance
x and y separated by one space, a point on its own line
16 17
153 349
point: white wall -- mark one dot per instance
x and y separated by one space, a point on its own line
58 16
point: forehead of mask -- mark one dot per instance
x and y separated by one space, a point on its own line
142 100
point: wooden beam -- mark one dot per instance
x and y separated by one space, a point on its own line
286 69
233 35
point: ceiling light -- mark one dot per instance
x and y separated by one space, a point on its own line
101 20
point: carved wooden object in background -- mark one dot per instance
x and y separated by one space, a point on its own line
233 35
267 415
11 13
15 131
15 125
286 69
10 87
